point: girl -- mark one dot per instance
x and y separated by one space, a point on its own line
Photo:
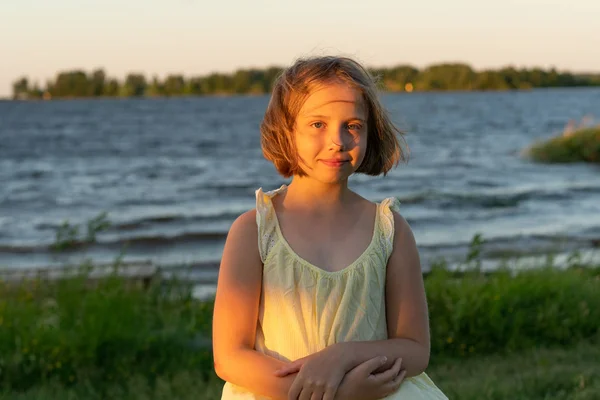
320 293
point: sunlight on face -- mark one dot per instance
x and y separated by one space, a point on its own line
331 132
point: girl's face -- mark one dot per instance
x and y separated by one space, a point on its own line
331 132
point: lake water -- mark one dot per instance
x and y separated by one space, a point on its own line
174 173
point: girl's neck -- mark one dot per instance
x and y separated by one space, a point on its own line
313 194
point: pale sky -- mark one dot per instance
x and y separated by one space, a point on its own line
38 38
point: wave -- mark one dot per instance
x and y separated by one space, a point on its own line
161 239
153 241
146 202
448 199
518 241
208 144
493 198
145 222
141 222
170 219
22 249
140 241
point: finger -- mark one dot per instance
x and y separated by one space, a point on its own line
305 394
287 369
369 366
317 394
330 393
396 382
389 374
291 368
296 388
400 378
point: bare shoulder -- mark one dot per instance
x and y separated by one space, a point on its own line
402 230
404 252
241 246
245 225
244 230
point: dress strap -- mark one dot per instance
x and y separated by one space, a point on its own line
386 223
266 220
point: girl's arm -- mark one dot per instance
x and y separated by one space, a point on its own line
236 315
406 309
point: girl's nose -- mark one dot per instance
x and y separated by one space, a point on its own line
338 136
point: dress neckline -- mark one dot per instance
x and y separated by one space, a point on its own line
308 264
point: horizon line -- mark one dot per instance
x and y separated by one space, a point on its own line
388 66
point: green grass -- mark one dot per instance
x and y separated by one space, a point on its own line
479 313
551 374
114 340
582 145
69 332
571 373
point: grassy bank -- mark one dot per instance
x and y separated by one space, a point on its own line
549 373
571 372
67 340
582 145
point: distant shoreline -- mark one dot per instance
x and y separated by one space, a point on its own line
400 78
241 95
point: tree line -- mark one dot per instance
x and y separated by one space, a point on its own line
448 76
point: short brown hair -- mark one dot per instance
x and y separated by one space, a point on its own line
385 142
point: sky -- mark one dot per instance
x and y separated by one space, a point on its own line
39 38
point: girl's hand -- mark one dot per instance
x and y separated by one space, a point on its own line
319 375
361 383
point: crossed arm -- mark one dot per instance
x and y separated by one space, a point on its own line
236 315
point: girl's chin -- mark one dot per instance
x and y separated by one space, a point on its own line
332 179
330 175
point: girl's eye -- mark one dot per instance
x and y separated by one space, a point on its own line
318 125
354 127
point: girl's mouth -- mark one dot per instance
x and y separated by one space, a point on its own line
334 163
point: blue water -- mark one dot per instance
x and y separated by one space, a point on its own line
174 173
